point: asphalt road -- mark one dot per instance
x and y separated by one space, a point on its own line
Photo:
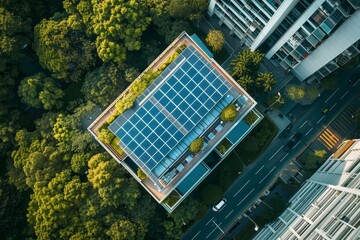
308 120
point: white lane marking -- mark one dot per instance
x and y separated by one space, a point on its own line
196 235
267 175
331 95
209 221
275 153
332 106
259 170
241 188
245 197
284 157
229 214
356 83
309 131
320 119
296 145
303 124
344 94
211 232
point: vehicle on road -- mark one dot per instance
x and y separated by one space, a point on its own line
219 205
325 110
292 142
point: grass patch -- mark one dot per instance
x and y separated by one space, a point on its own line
172 198
114 144
224 146
258 139
250 118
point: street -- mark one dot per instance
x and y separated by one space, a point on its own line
312 123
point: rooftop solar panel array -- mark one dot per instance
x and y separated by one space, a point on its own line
175 106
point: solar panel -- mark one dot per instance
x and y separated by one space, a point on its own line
157 128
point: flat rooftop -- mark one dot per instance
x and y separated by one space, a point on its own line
185 100
182 104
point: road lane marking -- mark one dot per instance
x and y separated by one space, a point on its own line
356 82
209 221
196 235
275 153
229 214
267 175
284 157
332 106
303 124
259 170
245 197
344 94
320 119
309 131
296 145
211 232
331 95
241 188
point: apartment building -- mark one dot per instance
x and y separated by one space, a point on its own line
311 38
328 205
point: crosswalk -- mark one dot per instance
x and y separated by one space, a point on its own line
342 127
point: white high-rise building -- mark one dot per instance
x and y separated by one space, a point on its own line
327 206
312 38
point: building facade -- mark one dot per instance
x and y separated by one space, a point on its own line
328 205
311 38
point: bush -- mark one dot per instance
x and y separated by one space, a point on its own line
229 113
196 145
141 174
106 136
250 118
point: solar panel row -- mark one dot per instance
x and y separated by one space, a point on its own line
181 102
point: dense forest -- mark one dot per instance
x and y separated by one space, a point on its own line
61 62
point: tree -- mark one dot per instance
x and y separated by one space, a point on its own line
266 81
103 85
331 81
229 113
295 92
63 47
14 36
188 9
215 39
314 159
131 74
41 91
196 145
311 93
108 178
122 229
118 25
246 63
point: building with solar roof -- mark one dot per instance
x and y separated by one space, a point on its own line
182 104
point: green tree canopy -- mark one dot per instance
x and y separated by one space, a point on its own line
118 25
311 93
215 39
41 91
246 63
63 47
196 145
295 92
104 84
188 9
229 113
266 81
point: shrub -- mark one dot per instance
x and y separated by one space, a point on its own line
229 113
250 118
196 145
141 174
106 136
